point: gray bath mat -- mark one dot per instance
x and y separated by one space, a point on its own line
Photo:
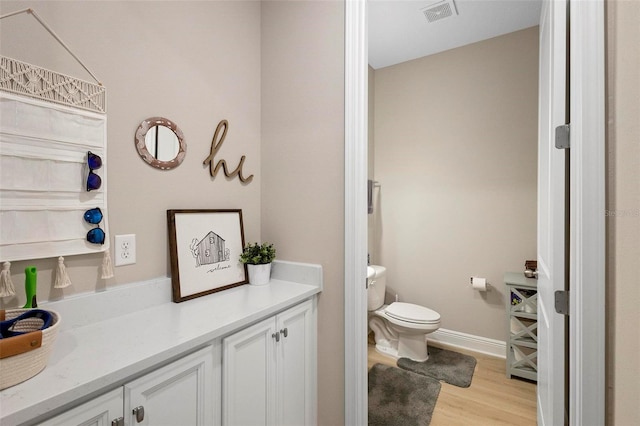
400 398
449 366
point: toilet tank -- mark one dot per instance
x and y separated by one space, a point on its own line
377 285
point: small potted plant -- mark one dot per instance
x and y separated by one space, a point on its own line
258 258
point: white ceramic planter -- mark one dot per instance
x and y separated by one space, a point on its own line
259 274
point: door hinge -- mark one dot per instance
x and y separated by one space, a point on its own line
562 302
562 136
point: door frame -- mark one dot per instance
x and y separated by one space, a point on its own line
355 212
587 213
587 254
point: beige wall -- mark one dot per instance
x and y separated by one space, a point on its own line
303 164
152 66
623 200
455 154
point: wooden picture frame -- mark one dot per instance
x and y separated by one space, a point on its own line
205 247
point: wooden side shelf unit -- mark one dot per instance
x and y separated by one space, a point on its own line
522 323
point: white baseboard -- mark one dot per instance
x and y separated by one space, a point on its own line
455 339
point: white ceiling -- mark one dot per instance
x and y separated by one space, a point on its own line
399 31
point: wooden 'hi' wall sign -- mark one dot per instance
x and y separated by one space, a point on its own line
216 144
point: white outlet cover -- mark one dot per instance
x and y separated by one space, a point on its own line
125 249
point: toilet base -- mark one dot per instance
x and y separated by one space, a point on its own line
387 351
413 347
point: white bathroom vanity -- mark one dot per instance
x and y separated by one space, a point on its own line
130 356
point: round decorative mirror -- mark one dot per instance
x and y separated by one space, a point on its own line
160 143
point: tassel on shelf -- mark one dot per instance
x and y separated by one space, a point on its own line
6 285
107 265
62 276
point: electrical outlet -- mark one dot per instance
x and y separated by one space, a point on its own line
125 250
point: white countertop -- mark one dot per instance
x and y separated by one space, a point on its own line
124 342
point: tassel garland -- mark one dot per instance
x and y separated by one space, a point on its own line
6 285
107 266
62 276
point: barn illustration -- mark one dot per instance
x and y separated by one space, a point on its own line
211 249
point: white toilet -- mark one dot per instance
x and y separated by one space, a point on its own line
400 328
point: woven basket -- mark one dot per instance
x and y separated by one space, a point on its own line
22 357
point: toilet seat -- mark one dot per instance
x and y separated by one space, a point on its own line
415 314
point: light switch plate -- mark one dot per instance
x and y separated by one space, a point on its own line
125 249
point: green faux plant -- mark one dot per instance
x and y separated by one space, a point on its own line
258 254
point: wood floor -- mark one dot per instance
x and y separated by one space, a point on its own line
492 399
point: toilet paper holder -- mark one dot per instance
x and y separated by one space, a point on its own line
480 284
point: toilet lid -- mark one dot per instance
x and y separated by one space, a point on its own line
412 313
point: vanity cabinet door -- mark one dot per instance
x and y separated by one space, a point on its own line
248 376
296 365
105 410
269 371
180 393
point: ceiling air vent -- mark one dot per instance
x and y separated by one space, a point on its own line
440 10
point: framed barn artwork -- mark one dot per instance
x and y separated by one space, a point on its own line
205 248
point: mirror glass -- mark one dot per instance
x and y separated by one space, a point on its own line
160 143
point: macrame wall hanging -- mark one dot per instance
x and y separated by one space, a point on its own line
53 164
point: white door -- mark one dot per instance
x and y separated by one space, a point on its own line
296 366
180 393
248 376
551 213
